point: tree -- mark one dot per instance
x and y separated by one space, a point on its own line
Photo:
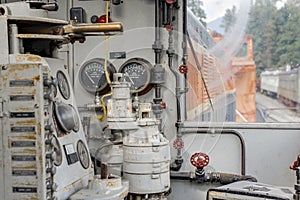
229 19
288 40
262 25
276 33
196 8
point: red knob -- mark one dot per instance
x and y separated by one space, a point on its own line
163 105
199 160
170 1
102 19
169 27
178 143
294 166
183 69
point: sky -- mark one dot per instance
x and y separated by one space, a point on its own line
216 8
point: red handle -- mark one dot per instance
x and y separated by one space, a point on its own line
199 160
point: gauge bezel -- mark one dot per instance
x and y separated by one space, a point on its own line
104 88
59 79
84 165
61 123
147 65
57 149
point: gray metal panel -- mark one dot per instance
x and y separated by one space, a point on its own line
270 83
2 182
4 40
69 177
23 133
288 85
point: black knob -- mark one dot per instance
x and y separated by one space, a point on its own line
94 19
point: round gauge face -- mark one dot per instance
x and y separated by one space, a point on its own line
92 75
57 150
76 119
63 85
83 154
66 117
139 74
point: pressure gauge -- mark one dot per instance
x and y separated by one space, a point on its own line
63 85
83 154
66 117
57 150
139 72
92 75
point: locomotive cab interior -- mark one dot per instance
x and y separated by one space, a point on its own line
111 99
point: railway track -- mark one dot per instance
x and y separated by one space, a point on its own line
271 110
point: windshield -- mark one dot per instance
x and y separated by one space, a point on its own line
255 60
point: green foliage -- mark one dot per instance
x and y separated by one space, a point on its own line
229 19
276 33
196 8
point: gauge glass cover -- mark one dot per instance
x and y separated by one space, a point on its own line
57 150
83 154
92 75
63 85
139 72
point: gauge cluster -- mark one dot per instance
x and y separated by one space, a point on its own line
92 75
69 143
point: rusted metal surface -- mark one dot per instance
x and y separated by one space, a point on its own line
219 82
104 171
42 36
27 57
241 77
245 78
4 40
103 27
23 134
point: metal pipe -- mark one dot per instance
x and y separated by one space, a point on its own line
213 177
103 27
184 50
178 161
14 42
184 32
158 70
157 43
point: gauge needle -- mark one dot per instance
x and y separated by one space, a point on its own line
129 78
89 77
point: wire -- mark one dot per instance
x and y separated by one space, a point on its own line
103 116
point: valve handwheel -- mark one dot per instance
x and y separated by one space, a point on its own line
199 160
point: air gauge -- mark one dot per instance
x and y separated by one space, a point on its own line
139 72
58 152
92 75
83 154
63 85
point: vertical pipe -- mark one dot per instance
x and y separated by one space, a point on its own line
14 43
178 161
157 33
184 50
158 70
